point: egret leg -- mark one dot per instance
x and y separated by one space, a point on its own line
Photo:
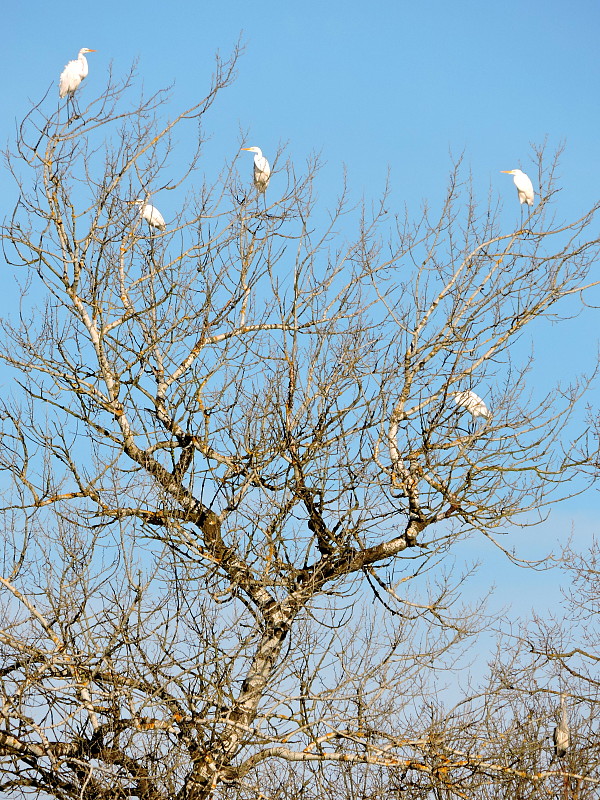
527 231
72 109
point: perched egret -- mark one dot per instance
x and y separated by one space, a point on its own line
562 736
262 170
523 184
74 73
472 402
151 214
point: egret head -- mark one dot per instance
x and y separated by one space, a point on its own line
256 150
86 50
512 171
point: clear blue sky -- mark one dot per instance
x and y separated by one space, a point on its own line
368 85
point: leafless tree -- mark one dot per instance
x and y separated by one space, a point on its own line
510 726
234 471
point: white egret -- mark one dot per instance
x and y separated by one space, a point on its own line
562 737
472 402
74 72
151 214
262 170
523 184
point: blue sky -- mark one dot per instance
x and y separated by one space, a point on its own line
369 86
372 85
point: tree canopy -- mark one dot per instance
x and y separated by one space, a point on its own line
235 471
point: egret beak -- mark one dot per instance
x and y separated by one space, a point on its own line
244 148
507 171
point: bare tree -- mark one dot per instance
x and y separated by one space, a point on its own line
539 670
230 439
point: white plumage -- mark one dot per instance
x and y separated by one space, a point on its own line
523 184
74 72
472 402
262 170
151 214
562 737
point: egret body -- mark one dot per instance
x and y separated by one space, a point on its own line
472 402
562 737
74 72
151 214
262 170
523 184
